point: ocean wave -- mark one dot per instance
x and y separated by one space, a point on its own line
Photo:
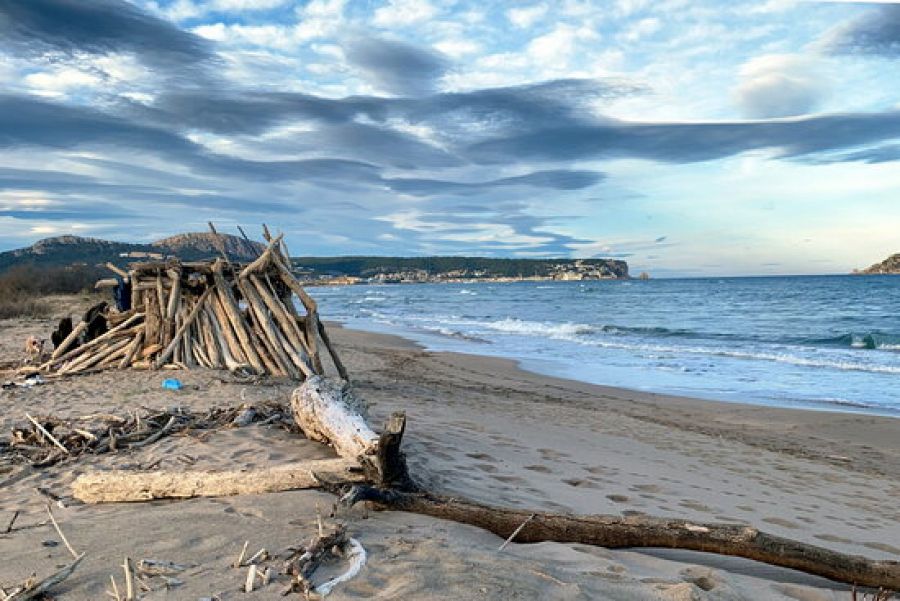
869 340
511 325
455 334
845 403
582 334
750 355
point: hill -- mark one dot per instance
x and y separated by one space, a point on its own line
392 269
891 265
63 251
68 250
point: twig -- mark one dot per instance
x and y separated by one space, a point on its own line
36 590
11 522
516 532
115 589
129 582
60 532
240 559
159 434
46 433
251 579
260 555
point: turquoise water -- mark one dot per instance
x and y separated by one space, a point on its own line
818 342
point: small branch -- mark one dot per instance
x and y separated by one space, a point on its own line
251 579
60 532
515 532
11 522
129 581
115 589
240 559
37 589
47 434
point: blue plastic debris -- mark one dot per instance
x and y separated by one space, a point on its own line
172 384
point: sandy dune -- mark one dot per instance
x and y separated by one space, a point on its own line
483 428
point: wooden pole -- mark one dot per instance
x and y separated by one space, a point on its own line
233 312
267 328
288 326
164 356
260 263
72 337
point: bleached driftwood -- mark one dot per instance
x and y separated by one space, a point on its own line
327 411
124 486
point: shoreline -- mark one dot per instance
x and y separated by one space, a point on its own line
870 442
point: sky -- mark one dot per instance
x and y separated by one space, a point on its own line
687 137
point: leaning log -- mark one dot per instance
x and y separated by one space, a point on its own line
125 486
329 412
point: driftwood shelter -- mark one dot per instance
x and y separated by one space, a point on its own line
214 314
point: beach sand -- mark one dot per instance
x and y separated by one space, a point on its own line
482 428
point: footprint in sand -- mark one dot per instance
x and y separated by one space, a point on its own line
781 522
486 467
510 479
480 456
650 488
552 454
538 468
579 483
883 547
618 498
696 506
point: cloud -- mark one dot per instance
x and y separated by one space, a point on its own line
556 180
779 85
40 27
526 16
396 67
875 32
691 142
879 154
400 13
27 122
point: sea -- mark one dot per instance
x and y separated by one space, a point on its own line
813 342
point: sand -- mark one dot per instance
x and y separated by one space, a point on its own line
478 427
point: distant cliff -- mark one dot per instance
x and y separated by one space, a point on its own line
891 265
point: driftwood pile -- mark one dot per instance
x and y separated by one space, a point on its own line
218 315
45 440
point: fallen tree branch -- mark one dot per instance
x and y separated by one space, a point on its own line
615 532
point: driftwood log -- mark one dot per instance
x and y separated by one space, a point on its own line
129 486
328 411
615 532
